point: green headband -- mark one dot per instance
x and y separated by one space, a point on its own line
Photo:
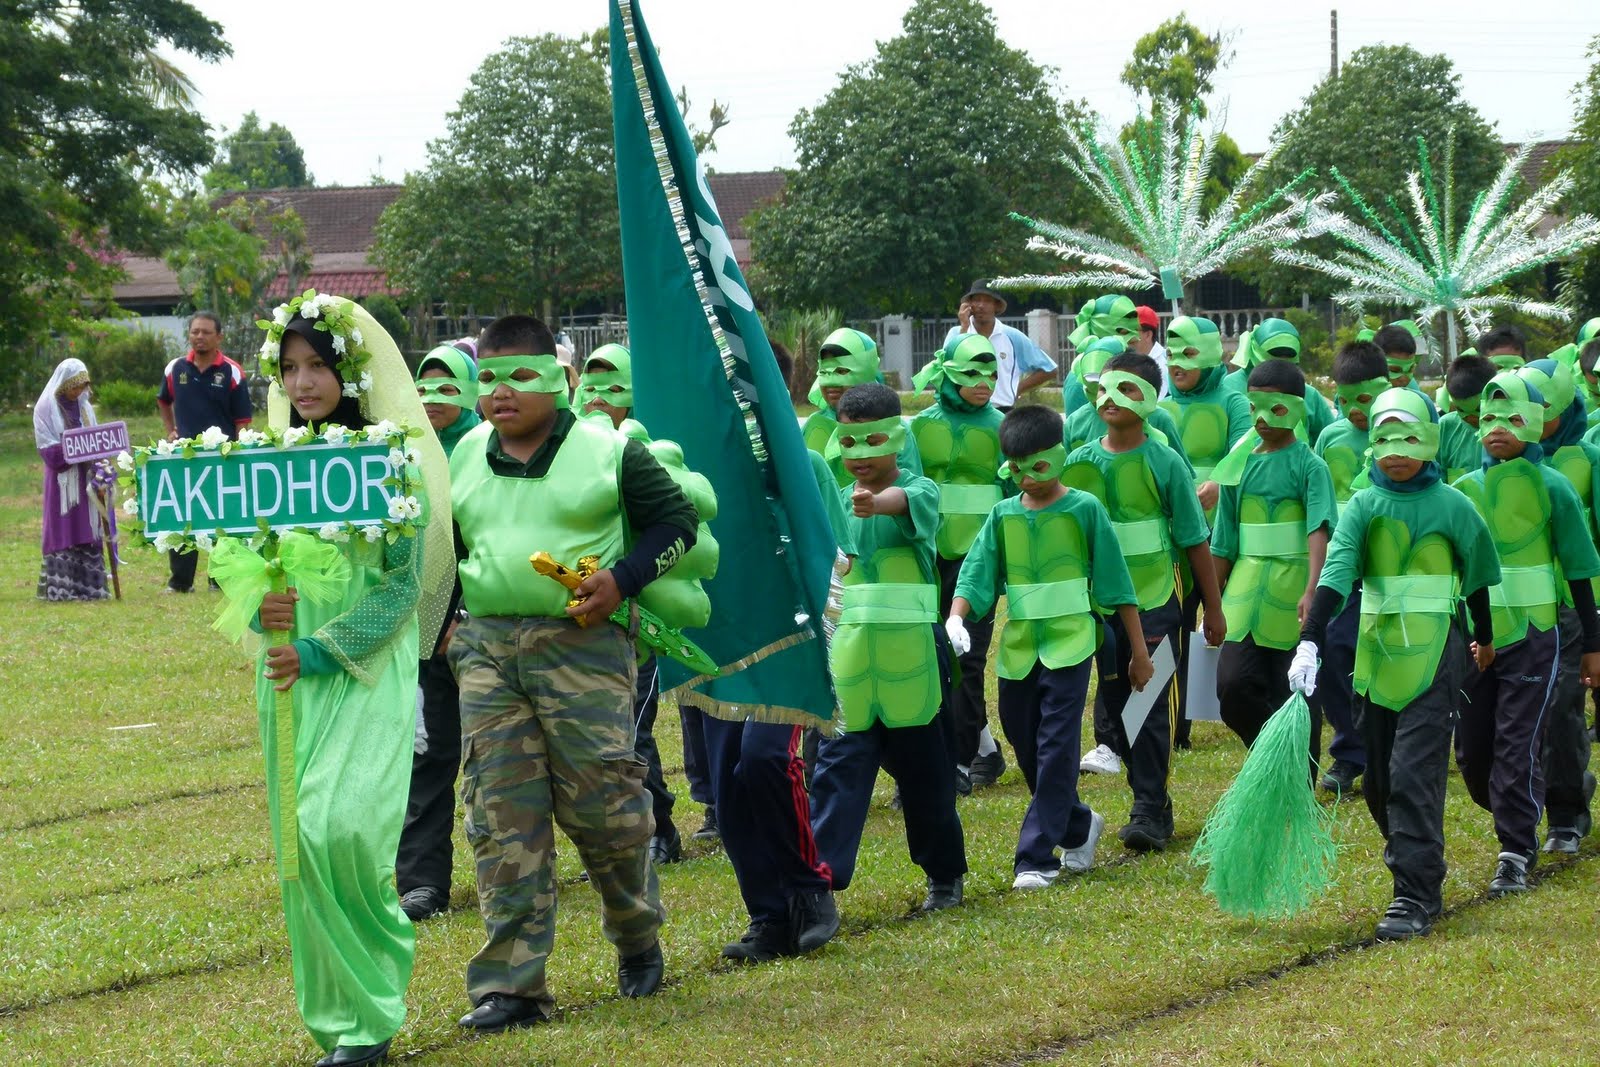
857 433
1466 405
549 375
961 365
1401 365
1262 402
1201 335
1350 396
1054 458
1110 390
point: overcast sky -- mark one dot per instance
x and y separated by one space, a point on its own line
766 59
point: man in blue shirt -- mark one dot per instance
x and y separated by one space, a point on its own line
1023 365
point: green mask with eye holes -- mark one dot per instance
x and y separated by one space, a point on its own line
1263 403
1054 458
1201 335
549 375
431 390
854 438
1510 403
1350 396
1110 389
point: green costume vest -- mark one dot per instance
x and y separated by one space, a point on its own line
961 453
1409 597
1575 463
677 596
1262 598
1047 593
1203 429
883 655
575 510
1134 503
1515 503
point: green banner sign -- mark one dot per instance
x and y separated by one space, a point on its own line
278 489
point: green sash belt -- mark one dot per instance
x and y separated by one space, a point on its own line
1048 600
1143 538
1273 539
1525 587
1410 594
968 499
890 602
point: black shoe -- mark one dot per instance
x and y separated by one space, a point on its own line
708 830
942 895
351 1055
814 918
1510 875
639 975
963 783
1341 778
424 902
1403 920
986 770
760 943
504 1011
1563 840
1143 835
666 848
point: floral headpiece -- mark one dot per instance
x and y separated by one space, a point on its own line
330 314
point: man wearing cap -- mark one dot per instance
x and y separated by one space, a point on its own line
1022 364
1147 345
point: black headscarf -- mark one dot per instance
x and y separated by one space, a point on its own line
348 411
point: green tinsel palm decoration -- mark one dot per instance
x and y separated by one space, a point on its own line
1268 842
1152 182
1435 268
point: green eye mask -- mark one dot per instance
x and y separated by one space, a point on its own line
1501 412
549 375
961 365
611 386
853 438
1199 334
1398 367
1507 361
1263 401
1466 405
1111 389
431 390
1054 459
1393 438
1349 395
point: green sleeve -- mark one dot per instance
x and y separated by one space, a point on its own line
832 503
910 457
1072 395
1188 519
921 520
1347 548
1109 580
1239 421
1594 491
358 638
1322 508
1318 417
314 657
979 580
1480 560
1225 535
1574 546
649 495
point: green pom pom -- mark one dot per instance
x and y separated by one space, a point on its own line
1268 842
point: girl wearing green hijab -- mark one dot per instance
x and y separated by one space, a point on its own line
447 382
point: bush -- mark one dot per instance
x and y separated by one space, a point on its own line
123 399
1316 353
382 307
118 353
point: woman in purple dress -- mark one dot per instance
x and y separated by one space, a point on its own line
74 512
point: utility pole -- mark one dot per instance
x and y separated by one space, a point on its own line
1333 43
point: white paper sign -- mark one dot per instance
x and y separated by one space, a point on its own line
1140 701
1200 698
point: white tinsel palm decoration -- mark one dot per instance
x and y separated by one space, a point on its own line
1435 268
1153 182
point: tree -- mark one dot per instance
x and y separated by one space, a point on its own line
517 207
908 167
1176 62
1366 123
1580 286
231 251
253 157
90 115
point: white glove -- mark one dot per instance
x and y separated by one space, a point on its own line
1303 668
959 639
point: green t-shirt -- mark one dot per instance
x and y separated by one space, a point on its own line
914 530
1263 524
1344 449
1437 510
1460 450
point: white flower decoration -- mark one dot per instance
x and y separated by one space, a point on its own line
248 436
339 343
397 508
294 434
413 456
130 506
310 309
413 507
280 315
335 435
124 461
213 437
166 542
373 533
166 448
205 542
350 389
355 336
334 532
366 381
381 430
397 458
269 350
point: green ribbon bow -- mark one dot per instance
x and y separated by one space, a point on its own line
1351 396
1264 404
1105 316
1266 341
961 365
1110 390
549 375
852 438
1201 336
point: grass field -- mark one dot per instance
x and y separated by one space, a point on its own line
139 920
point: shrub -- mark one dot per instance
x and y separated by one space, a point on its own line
382 307
123 399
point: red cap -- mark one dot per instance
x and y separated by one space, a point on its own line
1147 317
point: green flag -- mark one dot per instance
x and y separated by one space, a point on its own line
704 376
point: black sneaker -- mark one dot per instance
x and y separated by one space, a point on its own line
760 943
986 770
1510 875
424 902
942 895
666 848
1143 835
963 783
708 830
1563 840
1340 779
1403 920
814 918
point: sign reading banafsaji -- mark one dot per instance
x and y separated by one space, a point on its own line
187 493
80 444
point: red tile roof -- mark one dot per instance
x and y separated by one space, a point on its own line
739 193
336 220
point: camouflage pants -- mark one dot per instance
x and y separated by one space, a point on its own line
547 738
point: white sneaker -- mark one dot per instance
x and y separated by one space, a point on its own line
1080 859
1101 761
1033 880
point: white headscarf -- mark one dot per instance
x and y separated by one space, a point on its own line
48 424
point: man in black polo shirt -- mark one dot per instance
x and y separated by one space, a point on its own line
198 391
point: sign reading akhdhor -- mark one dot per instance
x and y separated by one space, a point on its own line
278 489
